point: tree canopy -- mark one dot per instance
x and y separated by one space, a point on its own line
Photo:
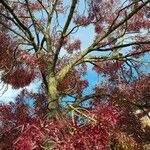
57 43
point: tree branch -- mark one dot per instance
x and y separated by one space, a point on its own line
15 32
34 22
63 34
46 33
87 97
122 46
113 28
21 25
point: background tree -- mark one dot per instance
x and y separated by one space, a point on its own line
43 41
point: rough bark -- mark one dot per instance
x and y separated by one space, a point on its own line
54 109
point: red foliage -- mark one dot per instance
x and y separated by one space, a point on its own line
13 117
30 138
73 83
73 46
19 77
108 67
105 119
83 20
6 51
64 135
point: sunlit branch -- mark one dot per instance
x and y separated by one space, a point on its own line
71 12
46 33
113 28
94 59
79 111
95 43
86 59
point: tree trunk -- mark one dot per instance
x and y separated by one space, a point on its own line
54 109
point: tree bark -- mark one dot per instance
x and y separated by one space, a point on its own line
54 109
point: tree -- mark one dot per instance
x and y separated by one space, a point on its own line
41 42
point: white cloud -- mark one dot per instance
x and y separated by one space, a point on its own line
7 93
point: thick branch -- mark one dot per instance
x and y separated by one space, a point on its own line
13 21
137 53
47 31
122 46
93 47
113 28
72 9
100 95
87 97
110 30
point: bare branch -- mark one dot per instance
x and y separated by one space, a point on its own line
113 28
15 32
64 71
34 22
21 25
87 97
40 2
72 9
122 46
47 31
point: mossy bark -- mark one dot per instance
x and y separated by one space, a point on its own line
54 109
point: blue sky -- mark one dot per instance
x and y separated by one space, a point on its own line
11 93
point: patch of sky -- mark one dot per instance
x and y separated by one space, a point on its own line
9 94
145 63
93 79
